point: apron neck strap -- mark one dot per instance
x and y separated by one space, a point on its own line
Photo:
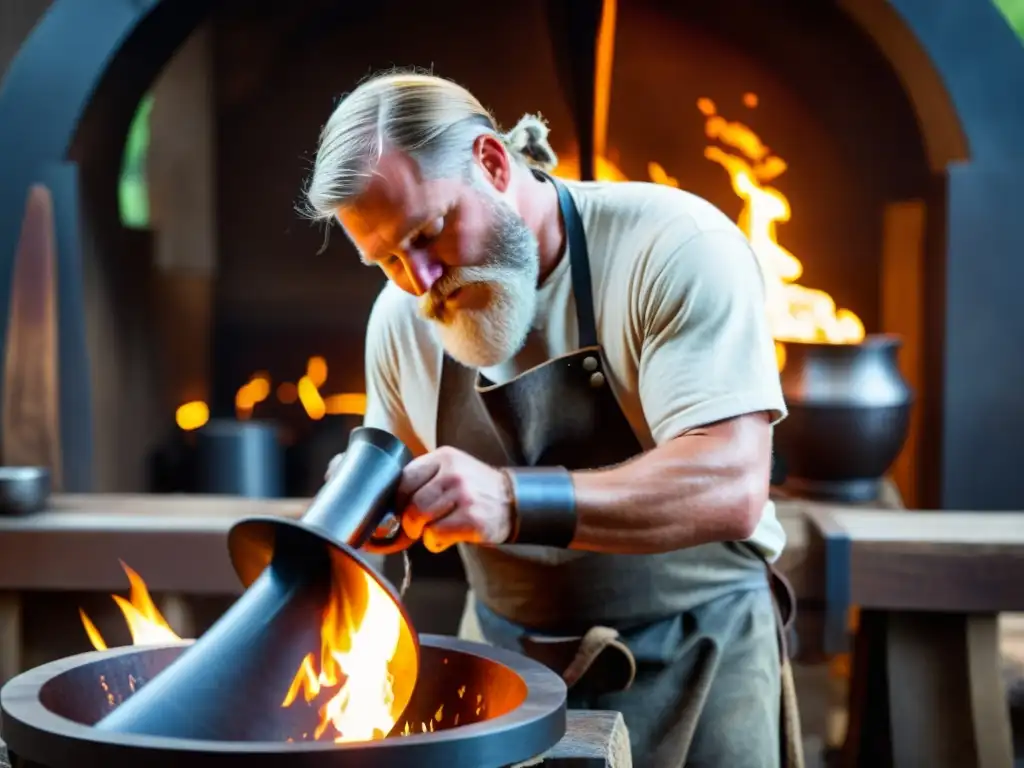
579 262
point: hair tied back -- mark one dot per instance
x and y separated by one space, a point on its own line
529 139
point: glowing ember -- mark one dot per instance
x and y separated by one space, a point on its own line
192 415
145 623
307 391
355 656
251 394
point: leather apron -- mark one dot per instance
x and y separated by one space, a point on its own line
564 413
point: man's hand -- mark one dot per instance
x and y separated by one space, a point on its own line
447 496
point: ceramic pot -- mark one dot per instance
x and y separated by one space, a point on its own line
849 414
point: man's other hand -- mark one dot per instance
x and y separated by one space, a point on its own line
446 496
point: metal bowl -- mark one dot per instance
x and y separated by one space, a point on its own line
23 490
474 706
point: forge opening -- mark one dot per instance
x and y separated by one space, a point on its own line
689 94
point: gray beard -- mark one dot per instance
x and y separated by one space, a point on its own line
480 338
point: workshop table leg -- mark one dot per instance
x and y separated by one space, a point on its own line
927 689
10 635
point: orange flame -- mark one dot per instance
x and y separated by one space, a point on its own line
795 313
356 657
145 622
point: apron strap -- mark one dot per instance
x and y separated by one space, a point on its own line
579 264
783 595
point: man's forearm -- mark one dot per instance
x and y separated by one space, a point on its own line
704 486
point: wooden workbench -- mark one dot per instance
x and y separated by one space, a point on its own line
928 682
929 586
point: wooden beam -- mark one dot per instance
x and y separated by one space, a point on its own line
77 542
927 561
902 293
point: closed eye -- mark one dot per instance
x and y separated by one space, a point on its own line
428 233
422 240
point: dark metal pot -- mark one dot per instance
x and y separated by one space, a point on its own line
849 414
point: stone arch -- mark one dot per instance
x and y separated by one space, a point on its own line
958 59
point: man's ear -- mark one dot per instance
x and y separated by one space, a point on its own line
494 161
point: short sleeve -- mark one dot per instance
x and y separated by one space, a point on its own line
384 406
707 353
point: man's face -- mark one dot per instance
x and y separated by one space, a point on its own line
459 246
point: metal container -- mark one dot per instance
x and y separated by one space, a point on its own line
474 706
849 415
240 458
23 490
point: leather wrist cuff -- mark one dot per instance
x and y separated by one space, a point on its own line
544 506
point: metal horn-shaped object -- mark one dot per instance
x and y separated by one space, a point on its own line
230 685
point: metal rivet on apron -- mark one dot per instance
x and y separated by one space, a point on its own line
589 364
596 379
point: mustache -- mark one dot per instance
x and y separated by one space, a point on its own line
432 304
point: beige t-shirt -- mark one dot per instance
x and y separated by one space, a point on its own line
680 310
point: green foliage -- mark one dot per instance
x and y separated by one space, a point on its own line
1013 10
133 193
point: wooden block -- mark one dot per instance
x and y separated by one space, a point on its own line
934 561
593 739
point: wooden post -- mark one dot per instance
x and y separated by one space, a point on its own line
902 293
30 431
31 420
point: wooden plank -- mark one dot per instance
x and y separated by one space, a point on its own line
969 530
179 542
593 739
76 509
77 541
930 561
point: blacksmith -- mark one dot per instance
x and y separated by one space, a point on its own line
586 376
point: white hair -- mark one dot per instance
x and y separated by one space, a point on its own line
433 120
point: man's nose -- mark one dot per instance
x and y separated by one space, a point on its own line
423 270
